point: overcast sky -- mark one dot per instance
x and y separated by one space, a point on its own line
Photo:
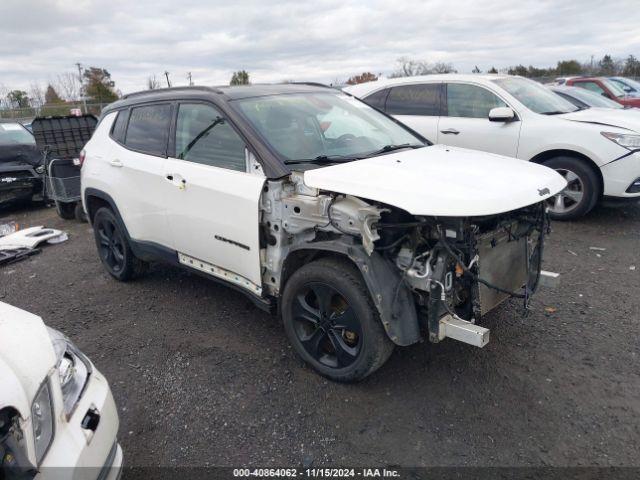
319 40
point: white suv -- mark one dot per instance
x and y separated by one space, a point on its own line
596 150
321 208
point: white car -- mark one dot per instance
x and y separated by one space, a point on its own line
597 151
318 207
56 409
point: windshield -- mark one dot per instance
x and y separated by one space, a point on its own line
323 126
614 88
627 81
592 99
15 134
535 96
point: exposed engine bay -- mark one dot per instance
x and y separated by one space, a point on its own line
454 269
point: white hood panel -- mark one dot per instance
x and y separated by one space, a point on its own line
628 118
26 352
441 181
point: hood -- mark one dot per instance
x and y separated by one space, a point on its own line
26 354
442 181
628 118
19 154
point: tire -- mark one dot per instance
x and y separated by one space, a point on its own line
113 247
316 299
582 191
66 210
79 213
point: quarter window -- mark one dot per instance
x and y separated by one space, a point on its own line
470 101
378 99
414 100
204 136
148 129
120 125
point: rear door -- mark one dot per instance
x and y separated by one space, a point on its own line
465 121
418 106
135 170
212 206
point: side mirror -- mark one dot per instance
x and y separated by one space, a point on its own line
627 89
501 114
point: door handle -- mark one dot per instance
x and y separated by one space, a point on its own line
116 163
450 131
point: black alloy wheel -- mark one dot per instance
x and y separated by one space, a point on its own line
326 325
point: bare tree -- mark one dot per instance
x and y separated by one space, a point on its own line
68 85
408 67
4 96
36 93
152 82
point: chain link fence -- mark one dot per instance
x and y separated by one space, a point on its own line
25 115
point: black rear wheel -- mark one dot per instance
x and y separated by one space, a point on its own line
66 210
331 322
113 247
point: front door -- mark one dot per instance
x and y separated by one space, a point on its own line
465 121
213 205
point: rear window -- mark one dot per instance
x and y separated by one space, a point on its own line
414 100
148 129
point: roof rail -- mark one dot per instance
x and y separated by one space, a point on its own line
170 89
312 84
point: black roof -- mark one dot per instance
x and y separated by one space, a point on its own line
222 93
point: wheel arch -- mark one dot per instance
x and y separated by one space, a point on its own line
397 310
542 157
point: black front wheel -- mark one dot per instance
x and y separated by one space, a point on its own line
113 247
331 322
581 193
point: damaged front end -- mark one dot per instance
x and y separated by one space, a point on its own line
429 277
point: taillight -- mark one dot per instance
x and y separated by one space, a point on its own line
81 157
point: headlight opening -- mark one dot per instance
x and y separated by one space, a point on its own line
42 420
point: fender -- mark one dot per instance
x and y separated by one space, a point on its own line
392 298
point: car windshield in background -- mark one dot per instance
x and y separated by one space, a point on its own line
615 88
323 127
15 134
592 99
535 97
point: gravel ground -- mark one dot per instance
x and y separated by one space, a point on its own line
201 377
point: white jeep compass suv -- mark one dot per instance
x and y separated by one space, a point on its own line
317 206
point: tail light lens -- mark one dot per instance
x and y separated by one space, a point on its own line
81 157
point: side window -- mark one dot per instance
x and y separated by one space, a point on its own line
204 136
593 86
377 99
470 101
414 100
148 129
120 125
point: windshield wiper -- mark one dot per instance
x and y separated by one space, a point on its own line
391 148
322 159
555 112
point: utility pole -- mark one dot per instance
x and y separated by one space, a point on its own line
166 74
190 80
84 99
